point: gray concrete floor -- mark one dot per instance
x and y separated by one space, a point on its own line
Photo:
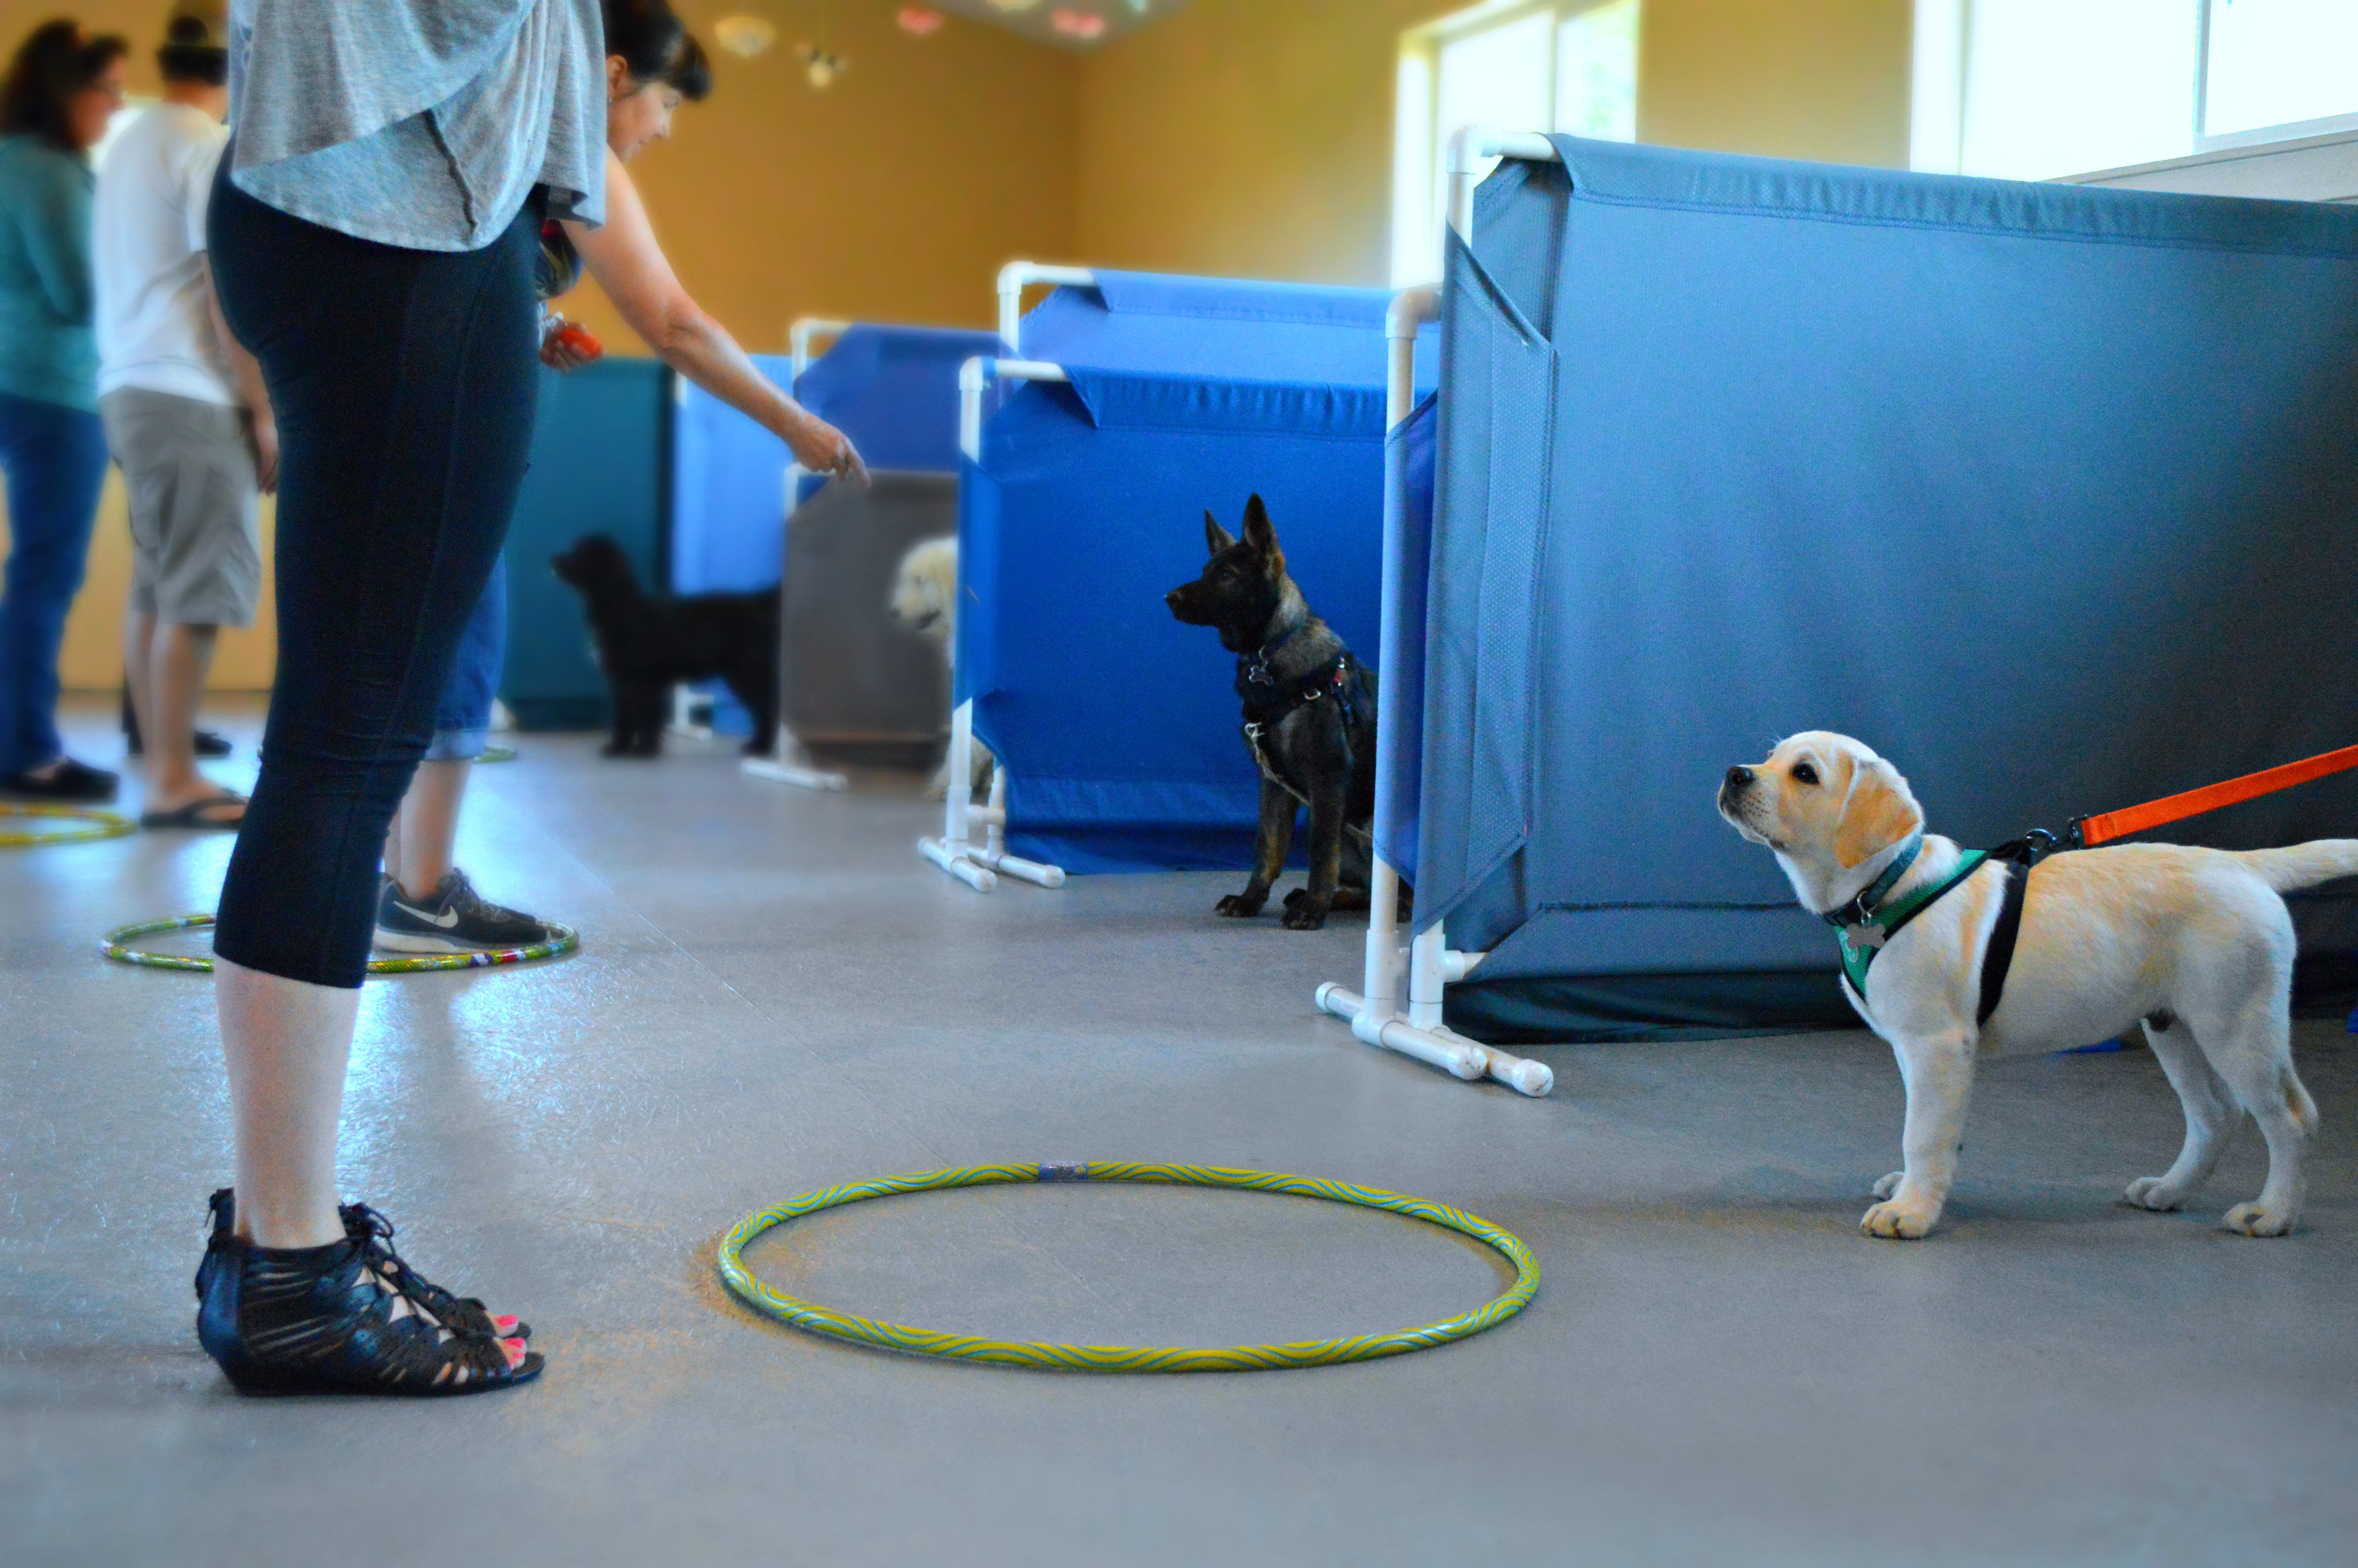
774 994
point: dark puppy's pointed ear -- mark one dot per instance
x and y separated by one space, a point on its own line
1259 533
1215 538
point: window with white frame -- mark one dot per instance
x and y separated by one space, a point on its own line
2042 88
1569 65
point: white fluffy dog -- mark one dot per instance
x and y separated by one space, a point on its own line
2197 944
924 599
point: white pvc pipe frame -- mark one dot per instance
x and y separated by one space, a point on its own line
979 865
1427 964
787 762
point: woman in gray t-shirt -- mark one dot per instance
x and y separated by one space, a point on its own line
372 232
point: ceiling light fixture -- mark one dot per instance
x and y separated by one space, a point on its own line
744 37
1078 24
920 21
821 67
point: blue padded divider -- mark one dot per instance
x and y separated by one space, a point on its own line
894 390
728 492
1220 328
2043 492
1118 725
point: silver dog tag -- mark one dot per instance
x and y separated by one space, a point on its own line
1868 936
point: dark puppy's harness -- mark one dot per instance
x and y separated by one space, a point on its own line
1270 702
1865 922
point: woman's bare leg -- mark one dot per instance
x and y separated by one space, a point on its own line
421 846
287 1043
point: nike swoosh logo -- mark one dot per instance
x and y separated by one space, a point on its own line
446 920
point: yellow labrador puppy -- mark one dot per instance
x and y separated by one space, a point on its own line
2196 944
924 599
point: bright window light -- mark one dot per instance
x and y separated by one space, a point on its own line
1597 73
2056 87
2279 62
1518 64
2039 89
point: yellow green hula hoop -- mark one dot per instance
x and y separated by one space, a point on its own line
1129 1358
90 826
496 754
116 944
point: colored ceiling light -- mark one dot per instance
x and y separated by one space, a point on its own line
1078 24
744 37
821 67
920 21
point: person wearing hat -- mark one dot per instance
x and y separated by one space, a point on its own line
185 415
61 89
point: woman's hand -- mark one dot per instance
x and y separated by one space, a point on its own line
822 449
262 437
622 255
566 348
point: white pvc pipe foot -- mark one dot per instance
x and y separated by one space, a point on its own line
1016 866
976 877
788 773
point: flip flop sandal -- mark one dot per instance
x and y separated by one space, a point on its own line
192 815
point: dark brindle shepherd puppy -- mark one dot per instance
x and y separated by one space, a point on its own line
1310 719
647 644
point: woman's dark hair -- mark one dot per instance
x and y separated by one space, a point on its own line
59 60
656 46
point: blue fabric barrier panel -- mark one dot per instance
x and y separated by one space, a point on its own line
2046 493
1218 327
728 492
1409 448
894 390
1118 726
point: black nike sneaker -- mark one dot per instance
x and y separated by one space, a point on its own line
455 920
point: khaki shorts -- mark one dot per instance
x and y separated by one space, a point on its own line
196 533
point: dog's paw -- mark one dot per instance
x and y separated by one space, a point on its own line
1904 1221
1304 915
1240 905
1889 1185
2156 1192
2251 1219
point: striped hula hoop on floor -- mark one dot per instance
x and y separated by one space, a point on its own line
89 826
1129 1358
116 944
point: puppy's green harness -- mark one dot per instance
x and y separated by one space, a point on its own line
1866 922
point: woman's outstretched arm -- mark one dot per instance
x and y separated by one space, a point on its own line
624 257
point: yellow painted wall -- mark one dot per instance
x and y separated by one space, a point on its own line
894 195
1253 137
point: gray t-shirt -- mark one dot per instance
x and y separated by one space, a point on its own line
419 125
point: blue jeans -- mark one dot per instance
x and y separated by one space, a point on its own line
56 462
462 719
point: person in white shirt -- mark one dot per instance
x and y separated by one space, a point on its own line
187 417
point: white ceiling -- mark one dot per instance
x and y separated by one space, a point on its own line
1035 20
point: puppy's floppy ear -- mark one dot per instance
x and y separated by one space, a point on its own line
1215 538
1878 813
1259 532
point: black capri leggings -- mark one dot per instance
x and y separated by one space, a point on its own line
404 384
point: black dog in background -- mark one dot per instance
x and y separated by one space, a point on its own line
647 644
1310 719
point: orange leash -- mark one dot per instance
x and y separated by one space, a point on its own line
2106 825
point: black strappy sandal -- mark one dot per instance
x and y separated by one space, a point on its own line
316 1319
460 1315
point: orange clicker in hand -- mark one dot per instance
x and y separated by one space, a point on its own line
580 340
